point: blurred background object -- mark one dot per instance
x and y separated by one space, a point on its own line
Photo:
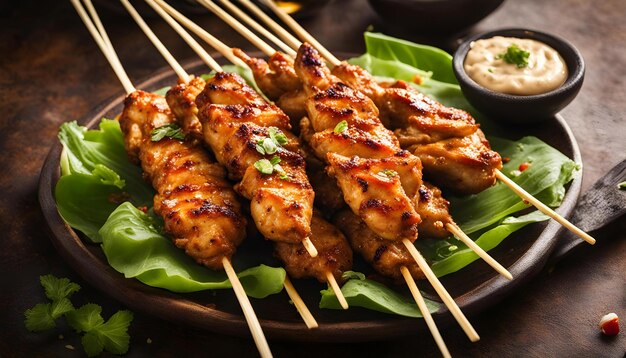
434 16
296 8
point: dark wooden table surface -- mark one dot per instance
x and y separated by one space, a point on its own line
51 72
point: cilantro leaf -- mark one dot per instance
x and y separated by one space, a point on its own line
341 126
85 318
58 288
92 344
114 333
171 130
39 318
60 307
515 56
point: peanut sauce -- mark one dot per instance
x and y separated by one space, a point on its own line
545 69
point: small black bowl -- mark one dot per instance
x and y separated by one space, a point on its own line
516 108
442 17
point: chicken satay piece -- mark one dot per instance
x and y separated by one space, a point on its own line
236 121
464 165
182 101
379 199
199 208
399 102
385 256
453 149
334 253
434 211
274 77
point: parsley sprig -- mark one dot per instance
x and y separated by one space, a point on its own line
99 335
515 56
171 130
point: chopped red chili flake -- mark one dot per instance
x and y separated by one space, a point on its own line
417 79
524 166
143 208
506 160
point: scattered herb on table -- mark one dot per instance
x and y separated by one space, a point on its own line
622 185
98 335
515 56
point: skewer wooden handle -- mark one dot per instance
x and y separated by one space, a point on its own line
543 208
303 310
442 292
456 231
417 296
248 311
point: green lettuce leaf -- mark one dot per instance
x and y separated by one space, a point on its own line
374 296
134 245
426 58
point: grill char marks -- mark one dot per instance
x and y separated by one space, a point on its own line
199 208
357 155
449 142
235 119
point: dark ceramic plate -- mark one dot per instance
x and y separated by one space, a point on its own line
474 288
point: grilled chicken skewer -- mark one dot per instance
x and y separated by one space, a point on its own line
423 265
335 255
473 142
188 184
281 210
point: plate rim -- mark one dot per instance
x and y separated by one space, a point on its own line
148 300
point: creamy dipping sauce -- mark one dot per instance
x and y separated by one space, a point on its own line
545 69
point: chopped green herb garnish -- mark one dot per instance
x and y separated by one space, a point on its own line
171 130
277 136
622 185
515 56
266 146
264 166
388 173
275 160
270 166
341 126
490 70
270 144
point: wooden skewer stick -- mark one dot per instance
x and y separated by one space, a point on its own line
260 29
301 32
96 20
109 54
186 37
180 72
249 35
543 207
285 35
337 290
442 292
244 302
417 296
248 311
310 248
201 33
454 229
306 315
